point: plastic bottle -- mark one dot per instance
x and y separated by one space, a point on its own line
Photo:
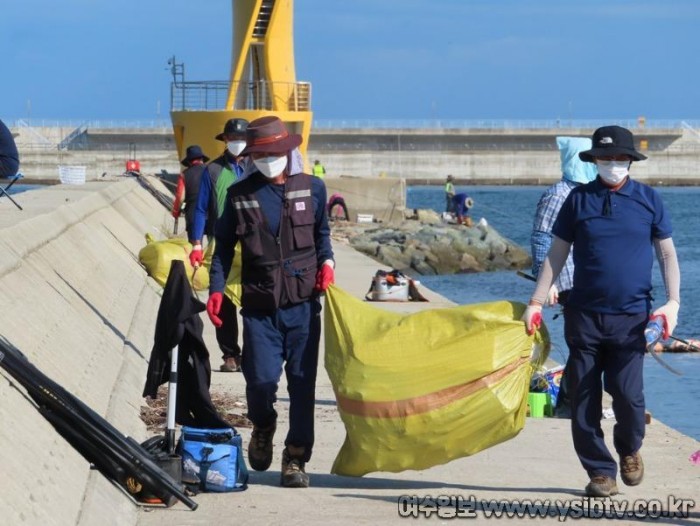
653 331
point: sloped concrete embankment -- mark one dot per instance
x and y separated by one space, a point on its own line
75 300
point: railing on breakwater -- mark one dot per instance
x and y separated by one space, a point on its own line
423 124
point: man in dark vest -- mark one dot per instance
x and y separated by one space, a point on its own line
188 186
281 223
221 173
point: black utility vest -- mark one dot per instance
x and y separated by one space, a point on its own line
193 178
277 270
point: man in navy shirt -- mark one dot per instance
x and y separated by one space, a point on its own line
613 224
280 220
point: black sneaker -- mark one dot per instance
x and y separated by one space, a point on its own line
260 447
293 474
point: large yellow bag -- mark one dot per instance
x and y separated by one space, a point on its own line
419 390
157 255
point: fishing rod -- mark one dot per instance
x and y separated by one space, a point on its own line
680 340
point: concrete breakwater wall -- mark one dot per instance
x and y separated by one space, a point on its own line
475 156
76 301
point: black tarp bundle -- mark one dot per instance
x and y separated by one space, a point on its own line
179 324
116 456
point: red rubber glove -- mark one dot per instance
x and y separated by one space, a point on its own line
324 277
214 307
196 256
532 318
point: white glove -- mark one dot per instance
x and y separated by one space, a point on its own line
532 318
670 313
553 296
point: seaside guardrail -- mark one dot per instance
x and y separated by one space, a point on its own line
486 124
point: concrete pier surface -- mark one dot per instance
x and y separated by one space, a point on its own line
76 301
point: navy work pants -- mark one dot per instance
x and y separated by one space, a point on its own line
290 334
227 334
610 346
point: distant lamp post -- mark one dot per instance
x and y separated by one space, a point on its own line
178 73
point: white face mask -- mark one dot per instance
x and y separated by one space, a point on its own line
613 172
235 147
271 167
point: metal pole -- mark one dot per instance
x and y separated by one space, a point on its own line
172 401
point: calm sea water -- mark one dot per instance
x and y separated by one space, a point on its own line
672 399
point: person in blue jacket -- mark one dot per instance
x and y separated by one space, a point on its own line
280 220
215 180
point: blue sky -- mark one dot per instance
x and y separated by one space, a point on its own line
366 59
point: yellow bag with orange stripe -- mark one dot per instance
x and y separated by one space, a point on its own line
419 390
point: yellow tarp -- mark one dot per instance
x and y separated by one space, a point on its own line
157 255
419 390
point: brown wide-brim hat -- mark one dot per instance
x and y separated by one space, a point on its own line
269 134
610 141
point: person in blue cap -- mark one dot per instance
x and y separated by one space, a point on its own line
219 175
614 224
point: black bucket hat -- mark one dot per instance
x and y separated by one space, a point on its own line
193 152
610 141
233 127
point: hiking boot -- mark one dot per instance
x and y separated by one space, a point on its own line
632 469
293 474
231 364
260 447
601 486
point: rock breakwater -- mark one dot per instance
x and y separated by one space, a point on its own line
424 245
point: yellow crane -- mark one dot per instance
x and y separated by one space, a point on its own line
262 81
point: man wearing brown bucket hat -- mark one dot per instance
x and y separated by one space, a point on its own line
613 222
221 173
281 223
